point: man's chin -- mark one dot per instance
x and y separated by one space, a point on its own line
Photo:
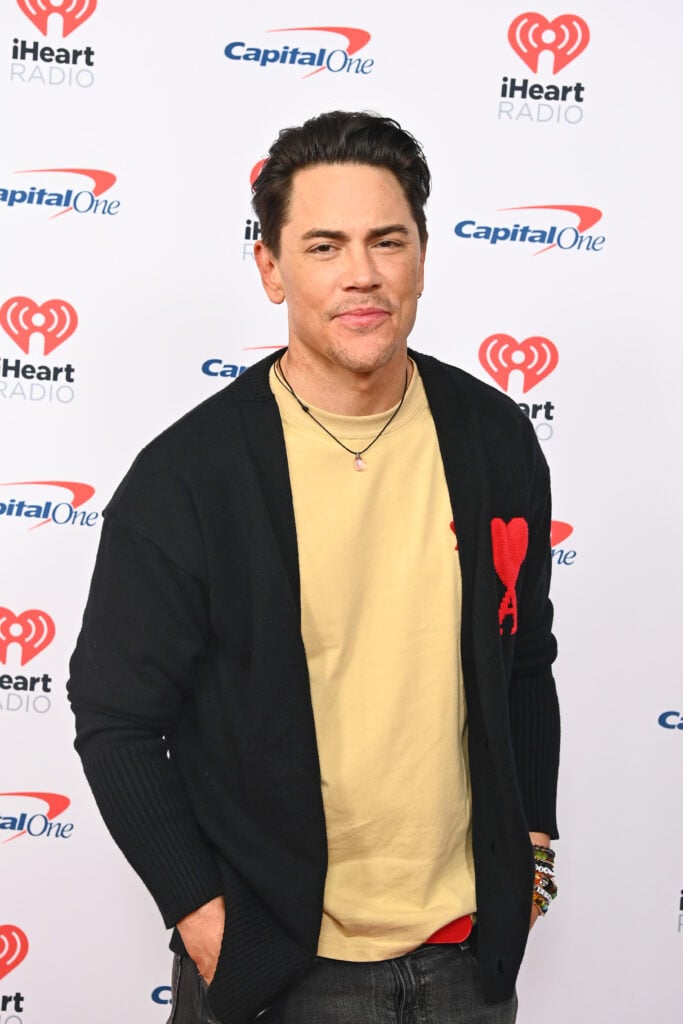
365 356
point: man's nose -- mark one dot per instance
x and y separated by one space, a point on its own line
360 270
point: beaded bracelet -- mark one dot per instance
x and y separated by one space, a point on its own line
543 853
545 890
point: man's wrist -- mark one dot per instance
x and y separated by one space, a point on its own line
545 889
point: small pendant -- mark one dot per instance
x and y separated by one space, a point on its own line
358 463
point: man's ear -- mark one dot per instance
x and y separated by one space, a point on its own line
270 275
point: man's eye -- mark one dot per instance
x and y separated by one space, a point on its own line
389 243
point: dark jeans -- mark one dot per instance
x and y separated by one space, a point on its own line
433 985
190 1005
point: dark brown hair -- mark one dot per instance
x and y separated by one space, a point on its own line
339 137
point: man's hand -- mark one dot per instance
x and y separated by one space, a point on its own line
202 933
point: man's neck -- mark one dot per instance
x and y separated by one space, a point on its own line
346 392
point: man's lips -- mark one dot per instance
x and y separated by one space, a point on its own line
363 316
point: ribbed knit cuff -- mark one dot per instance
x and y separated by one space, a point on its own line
144 806
535 726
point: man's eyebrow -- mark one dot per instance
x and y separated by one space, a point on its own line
337 236
388 229
341 236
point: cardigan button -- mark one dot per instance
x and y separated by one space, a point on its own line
262 1013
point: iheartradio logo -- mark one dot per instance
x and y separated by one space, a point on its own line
23 319
13 948
73 13
32 631
534 358
565 37
256 170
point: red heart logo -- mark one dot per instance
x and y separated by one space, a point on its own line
39 11
256 170
534 357
509 542
565 37
21 317
33 630
13 948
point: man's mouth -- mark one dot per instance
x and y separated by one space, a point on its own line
363 316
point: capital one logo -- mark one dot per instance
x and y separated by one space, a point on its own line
13 948
25 821
565 37
48 509
559 533
535 358
81 200
550 237
671 720
72 12
21 318
337 61
32 631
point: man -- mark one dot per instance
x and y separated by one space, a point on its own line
313 688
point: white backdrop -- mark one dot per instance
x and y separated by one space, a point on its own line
128 293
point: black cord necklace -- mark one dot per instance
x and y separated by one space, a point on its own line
357 461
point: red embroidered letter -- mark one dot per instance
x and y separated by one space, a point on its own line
510 541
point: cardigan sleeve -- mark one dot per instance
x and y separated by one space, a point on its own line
144 629
533 703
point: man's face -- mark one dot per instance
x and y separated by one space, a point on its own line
350 267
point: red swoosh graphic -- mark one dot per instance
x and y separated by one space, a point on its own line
588 216
102 180
356 38
56 804
80 492
559 531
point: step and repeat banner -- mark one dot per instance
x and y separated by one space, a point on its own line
128 293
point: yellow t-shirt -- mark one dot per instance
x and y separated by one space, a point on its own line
380 618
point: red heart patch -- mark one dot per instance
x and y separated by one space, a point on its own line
535 358
21 317
74 15
565 37
13 948
509 542
33 630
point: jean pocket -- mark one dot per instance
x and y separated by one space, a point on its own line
205 1016
188 995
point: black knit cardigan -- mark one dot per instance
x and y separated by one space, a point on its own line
191 694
